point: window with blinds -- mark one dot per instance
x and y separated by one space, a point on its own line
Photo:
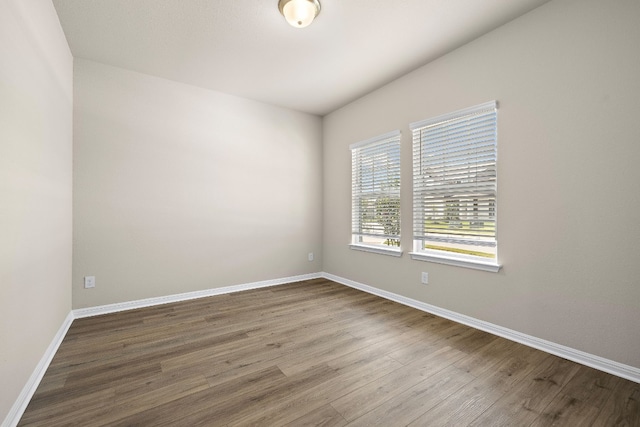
375 194
454 186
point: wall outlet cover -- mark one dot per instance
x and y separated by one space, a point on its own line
89 282
425 278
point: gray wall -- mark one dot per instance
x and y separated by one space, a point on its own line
179 189
35 188
566 79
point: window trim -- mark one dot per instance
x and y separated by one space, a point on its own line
379 249
446 257
376 249
455 260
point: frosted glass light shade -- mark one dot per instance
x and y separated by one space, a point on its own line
299 13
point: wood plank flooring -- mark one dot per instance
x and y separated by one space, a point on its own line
312 353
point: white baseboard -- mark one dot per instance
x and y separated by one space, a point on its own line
130 305
18 408
624 371
621 370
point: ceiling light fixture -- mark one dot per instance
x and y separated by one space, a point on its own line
299 13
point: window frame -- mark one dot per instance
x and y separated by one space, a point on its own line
392 143
421 190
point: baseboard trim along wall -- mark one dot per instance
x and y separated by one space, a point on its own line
130 305
18 408
619 369
624 371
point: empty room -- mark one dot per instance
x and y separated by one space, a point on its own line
319 212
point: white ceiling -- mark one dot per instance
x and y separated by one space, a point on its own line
246 48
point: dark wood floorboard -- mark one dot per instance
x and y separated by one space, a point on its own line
312 353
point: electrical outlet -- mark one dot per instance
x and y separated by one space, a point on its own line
310 256
89 282
425 278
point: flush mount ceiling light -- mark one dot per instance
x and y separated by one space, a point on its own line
299 13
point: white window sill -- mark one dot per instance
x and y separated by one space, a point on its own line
458 262
377 250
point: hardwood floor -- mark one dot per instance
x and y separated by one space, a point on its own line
312 353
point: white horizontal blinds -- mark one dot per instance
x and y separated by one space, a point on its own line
454 182
376 190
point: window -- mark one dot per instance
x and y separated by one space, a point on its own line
454 188
375 194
